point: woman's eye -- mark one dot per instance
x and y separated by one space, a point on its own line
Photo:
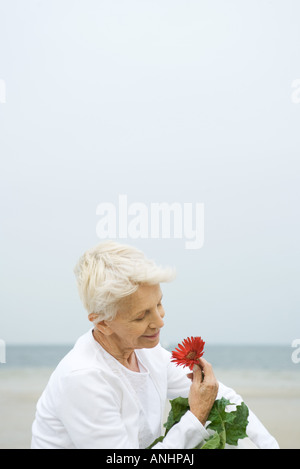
143 317
140 319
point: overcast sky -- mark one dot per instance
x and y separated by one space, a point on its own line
162 101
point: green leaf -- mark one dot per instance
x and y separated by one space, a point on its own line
218 415
179 407
231 426
212 443
237 429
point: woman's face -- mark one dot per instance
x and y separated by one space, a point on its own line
139 319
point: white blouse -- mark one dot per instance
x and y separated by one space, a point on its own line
142 385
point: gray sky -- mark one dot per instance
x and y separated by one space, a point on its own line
163 101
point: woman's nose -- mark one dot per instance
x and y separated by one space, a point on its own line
157 320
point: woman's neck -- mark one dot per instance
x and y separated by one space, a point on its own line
126 357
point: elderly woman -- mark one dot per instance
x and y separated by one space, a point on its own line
110 390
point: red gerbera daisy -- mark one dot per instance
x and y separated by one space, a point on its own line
188 353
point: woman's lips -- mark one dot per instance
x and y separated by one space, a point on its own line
152 337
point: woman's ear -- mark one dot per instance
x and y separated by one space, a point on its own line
92 317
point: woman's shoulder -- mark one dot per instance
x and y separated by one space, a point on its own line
85 356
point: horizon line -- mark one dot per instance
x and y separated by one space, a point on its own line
164 344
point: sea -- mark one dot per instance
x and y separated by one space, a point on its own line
227 357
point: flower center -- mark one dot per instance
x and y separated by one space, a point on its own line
191 355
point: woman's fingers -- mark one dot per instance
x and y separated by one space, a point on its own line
202 372
197 374
203 364
206 369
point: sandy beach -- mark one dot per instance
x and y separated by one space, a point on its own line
273 397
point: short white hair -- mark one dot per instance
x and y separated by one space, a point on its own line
111 271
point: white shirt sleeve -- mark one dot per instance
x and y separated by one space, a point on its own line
255 429
186 434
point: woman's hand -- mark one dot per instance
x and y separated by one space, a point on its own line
204 390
